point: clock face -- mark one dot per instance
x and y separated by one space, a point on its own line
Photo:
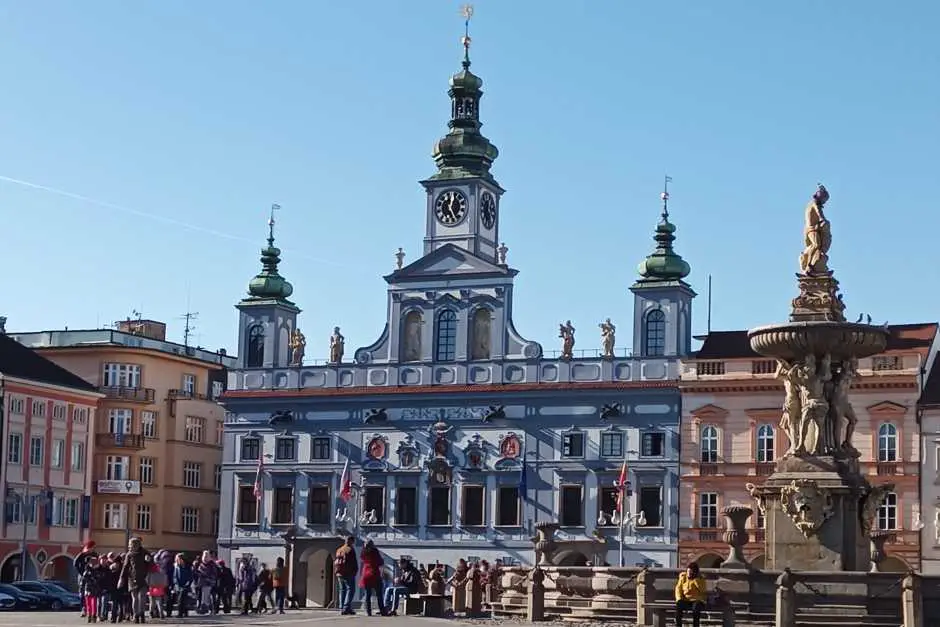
488 210
451 207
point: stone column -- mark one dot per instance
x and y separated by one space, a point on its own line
735 534
645 594
878 555
786 600
912 601
535 607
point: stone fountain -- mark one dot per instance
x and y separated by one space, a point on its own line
819 509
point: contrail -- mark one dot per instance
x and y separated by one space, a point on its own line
153 216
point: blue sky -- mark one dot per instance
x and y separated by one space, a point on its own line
180 122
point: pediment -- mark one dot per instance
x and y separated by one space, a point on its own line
887 407
448 261
709 411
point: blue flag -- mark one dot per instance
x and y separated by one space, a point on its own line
523 482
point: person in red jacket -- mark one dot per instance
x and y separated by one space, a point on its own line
370 577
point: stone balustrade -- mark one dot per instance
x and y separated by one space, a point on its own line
785 598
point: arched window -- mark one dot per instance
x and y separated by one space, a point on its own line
888 512
446 336
655 333
255 346
765 444
887 443
709 445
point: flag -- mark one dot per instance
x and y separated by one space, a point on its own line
622 485
523 482
345 484
258 491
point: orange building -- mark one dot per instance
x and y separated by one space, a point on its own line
47 416
731 407
158 439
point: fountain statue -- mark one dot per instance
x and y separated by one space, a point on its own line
819 507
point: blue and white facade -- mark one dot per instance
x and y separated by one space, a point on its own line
445 412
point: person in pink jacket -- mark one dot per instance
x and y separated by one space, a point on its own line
370 577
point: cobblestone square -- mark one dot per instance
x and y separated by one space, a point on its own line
301 618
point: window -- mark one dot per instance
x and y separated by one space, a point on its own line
887 443
572 506
284 449
283 506
471 514
373 501
80 415
888 512
78 456
39 409
146 471
58 509
318 505
765 444
144 518
58 453
70 515
251 449
406 506
760 522
709 445
656 333
119 420
217 388
189 522
189 384
507 507
17 406
118 468
148 424
247 505
651 504
708 510
320 449
195 429
36 446
607 501
611 445
255 350
217 478
572 445
121 375
652 444
446 336
192 475
59 412
15 448
439 514
115 515
219 432
215 523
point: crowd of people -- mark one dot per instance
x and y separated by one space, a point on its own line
137 584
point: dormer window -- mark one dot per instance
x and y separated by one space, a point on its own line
655 340
446 349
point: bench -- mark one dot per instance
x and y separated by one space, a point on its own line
662 610
431 605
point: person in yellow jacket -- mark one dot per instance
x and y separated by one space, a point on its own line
691 594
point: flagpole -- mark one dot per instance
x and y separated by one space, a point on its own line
623 496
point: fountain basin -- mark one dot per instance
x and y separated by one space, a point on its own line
794 340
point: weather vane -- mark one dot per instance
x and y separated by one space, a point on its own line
274 207
665 195
467 12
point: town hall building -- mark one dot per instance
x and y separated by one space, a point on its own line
460 434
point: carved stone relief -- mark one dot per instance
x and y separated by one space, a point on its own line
807 504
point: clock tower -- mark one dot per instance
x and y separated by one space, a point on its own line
463 197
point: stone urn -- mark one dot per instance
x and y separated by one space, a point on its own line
878 554
545 542
736 535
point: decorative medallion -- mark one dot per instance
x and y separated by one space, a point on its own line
807 504
474 453
509 446
871 503
407 453
376 451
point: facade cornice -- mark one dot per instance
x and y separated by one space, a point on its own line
107 349
61 389
765 386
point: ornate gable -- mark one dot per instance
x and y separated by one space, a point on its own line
886 408
448 261
709 412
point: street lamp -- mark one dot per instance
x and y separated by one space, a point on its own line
27 504
622 519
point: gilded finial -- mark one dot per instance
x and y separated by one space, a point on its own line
467 12
665 196
274 207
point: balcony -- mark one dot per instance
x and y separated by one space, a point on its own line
132 441
707 469
708 536
186 395
887 469
760 535
763 469
123 393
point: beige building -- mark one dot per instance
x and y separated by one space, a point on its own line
156 452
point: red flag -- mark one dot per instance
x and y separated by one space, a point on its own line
258 490
622 485
345 484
